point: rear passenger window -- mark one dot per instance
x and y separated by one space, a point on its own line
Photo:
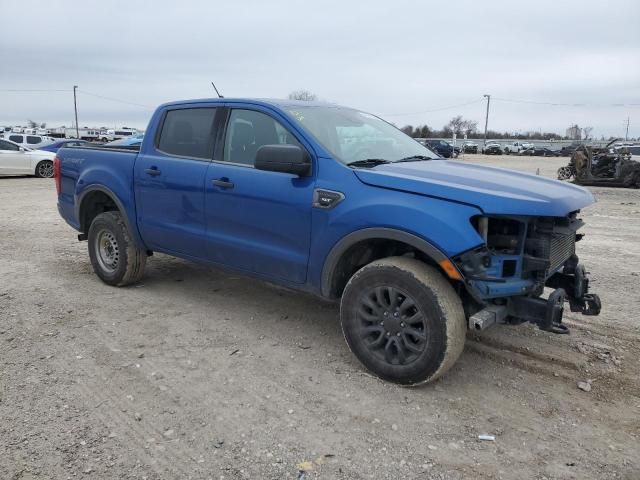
16 138
33 140
188 133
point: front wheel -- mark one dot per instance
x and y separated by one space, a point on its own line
44 169
403 320
114 256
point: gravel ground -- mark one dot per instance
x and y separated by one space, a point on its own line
195 373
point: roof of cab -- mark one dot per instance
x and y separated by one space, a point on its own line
256 101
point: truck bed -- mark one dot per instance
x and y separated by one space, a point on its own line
107 167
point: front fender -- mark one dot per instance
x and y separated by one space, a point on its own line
440 228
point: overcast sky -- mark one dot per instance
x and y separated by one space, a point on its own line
398 59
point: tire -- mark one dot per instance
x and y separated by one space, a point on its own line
105 140
44 169
421 339
114 256
565 173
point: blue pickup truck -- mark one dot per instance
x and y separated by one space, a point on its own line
338 203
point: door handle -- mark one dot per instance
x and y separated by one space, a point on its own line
154 172
223 183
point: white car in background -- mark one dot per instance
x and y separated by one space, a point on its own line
28 140
16 159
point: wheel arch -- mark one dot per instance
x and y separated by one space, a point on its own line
361 247
97 199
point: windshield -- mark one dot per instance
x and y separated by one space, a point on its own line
353 136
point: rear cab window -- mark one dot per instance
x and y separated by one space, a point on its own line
188 132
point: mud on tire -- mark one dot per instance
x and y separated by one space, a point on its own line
403 320
114 256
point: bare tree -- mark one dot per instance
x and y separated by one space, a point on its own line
470 127
587 131
456 124
408 130
43 125
459 125
32 124
305 95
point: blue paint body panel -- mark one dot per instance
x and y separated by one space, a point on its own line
266 225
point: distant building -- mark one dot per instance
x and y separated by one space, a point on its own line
574 132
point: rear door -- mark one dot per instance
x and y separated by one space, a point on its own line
169 181
256 220
12 159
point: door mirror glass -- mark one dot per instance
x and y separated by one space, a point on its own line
22 149
283 158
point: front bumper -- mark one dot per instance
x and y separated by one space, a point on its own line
572 286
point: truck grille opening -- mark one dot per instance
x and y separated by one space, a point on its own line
551 241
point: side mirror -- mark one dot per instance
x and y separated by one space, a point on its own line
22 149
283 158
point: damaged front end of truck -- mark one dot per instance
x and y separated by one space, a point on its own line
506 277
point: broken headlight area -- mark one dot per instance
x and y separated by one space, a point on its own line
519 256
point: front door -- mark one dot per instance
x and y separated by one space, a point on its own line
169 182
257 221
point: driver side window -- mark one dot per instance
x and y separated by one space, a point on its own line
247 131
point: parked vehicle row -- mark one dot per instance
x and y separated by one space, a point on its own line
494 148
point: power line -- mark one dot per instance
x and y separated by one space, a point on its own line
17 90
114 99
433 110
560 104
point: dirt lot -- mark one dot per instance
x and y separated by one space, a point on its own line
195 373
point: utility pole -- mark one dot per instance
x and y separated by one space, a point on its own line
486 119
75 108
626 135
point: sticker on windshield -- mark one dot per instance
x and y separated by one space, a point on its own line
297 115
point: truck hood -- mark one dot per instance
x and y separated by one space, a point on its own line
492 190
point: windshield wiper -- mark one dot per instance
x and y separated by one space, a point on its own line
368 162
413 158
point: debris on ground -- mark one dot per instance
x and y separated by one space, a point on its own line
585 386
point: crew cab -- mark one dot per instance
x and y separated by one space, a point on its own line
338 203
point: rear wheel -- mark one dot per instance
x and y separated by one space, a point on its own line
114 256
44 169
403 320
